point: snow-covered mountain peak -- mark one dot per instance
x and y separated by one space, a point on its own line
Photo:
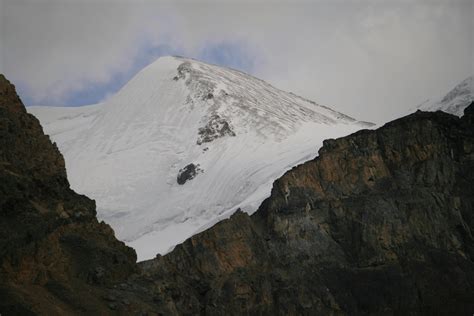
183 145
455 101
230 98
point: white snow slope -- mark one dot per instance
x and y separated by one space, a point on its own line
126 152
455 101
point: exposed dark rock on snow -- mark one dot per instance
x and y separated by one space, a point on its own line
183 69
215 128
188 173
380 223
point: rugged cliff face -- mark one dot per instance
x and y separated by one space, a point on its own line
54 254
379 223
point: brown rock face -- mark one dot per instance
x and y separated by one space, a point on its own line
53 252
380 223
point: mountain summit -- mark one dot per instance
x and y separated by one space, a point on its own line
185 144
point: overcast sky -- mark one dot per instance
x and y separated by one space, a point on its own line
373 60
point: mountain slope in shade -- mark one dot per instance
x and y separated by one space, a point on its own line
455 101
55 257
183 145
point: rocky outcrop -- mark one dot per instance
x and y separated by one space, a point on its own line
381 222
216 127
187 173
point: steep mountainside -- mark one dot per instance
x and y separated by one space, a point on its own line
455 101
183 145
379 223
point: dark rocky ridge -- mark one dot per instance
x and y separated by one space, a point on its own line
55 257
380 223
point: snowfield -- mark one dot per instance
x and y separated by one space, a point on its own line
241 132
455 101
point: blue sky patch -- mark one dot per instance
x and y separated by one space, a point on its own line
226 54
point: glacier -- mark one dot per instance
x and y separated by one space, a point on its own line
239 132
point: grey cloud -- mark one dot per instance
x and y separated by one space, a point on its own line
370 59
